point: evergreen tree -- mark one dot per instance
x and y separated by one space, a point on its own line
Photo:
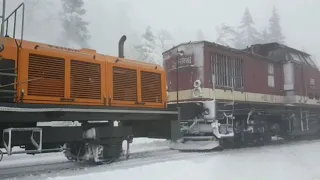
164 35
148 48
265 36
247 34
226 35
129 46
75 28
200 35
275 34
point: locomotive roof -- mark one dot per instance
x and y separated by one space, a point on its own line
90 54
207 43
269 51
281 52
278 45
272 44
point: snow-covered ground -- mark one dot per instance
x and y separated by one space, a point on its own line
27 163
145 144
294 161
299 161
138 145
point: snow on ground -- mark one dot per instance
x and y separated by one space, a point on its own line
147 144
29 160
298 161
138 145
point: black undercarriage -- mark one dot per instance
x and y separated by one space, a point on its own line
254 124
95 138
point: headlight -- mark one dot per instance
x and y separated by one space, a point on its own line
197 83
196 92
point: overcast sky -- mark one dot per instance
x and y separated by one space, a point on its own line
109 19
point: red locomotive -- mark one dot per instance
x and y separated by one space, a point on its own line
242 97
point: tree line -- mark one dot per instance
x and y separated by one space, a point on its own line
246 34
237 37
149 45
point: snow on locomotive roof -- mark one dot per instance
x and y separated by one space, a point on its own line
91 54
284 46
269 51
207 43
282 52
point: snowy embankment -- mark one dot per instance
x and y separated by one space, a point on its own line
296 161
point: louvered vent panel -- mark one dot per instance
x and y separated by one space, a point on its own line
151 90
124 84
46 75
85 80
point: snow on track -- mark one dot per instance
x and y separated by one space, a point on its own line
145 144
173 164
30 160
292 161
136 160
21 164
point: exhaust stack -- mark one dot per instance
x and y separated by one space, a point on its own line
120 46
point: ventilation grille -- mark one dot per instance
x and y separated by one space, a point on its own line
151 90
85 80
46 76
124 84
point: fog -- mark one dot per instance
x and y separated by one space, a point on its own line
108 20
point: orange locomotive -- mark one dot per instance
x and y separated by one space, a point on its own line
56 75
45 83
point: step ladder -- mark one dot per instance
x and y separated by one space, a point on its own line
7 142
36 139
225 130
8 92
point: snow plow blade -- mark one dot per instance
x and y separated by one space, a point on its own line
196 143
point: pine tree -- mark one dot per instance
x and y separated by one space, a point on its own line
200 35
247 34
265 36
226 35
275 34
75 28
129 46
148 48
163 36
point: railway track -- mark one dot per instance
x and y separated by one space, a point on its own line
32 170
136 159
60 168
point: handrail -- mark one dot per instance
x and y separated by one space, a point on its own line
6 20
2 24
138 63
65 50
